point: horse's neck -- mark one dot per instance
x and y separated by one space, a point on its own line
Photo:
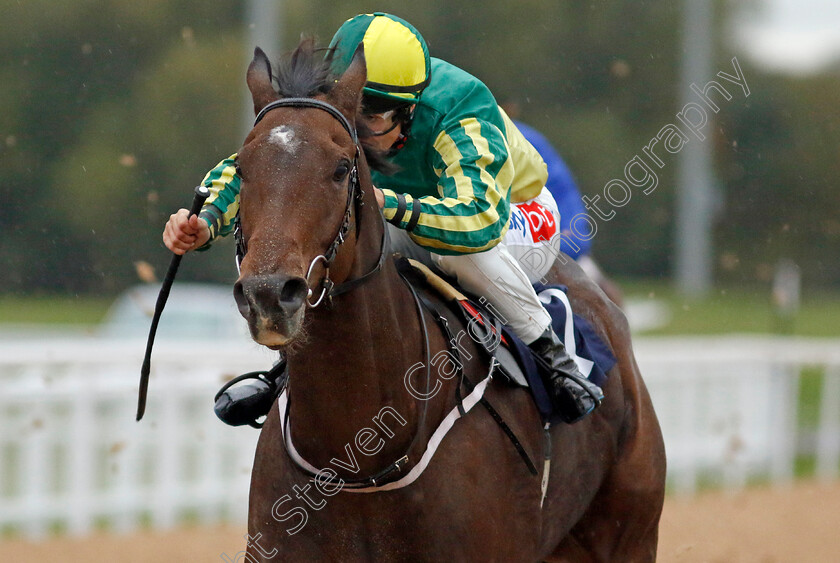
352 366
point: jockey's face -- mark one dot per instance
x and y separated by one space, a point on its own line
380 123
385 138
385 127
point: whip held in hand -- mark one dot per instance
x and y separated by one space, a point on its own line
201 194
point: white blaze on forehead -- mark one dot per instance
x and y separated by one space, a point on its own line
284 136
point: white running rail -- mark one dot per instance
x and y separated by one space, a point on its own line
72 458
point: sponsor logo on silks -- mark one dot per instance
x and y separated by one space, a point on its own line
517 220
541 221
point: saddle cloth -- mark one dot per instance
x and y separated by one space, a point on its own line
592 355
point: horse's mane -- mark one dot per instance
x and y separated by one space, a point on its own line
306 73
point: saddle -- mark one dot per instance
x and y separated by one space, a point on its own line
516 364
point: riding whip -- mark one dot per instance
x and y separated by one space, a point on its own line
201 194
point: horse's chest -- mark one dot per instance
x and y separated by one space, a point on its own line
444 517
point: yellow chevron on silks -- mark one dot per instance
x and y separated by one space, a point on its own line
224 185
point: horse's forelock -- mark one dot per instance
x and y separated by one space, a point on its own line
305 72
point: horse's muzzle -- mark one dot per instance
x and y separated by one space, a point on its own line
273 305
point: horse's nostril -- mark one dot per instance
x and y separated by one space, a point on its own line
269 295
241 301
292 294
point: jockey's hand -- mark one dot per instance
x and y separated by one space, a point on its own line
183 233
380 197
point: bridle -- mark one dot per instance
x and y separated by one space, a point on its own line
354 193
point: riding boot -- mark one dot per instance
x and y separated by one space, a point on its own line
572 394
237 405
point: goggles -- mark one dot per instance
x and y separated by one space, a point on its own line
383 122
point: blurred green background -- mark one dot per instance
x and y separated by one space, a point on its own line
115 109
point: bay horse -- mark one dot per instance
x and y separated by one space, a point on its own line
315 283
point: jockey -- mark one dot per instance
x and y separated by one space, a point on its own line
468 196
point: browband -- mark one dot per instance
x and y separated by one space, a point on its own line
309 103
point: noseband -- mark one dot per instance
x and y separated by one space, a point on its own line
354 192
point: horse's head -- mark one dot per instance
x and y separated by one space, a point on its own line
297 172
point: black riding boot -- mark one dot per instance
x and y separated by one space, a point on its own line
245 403
572 394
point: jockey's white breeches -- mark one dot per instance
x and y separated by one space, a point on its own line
503 274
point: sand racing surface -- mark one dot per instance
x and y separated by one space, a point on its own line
798 524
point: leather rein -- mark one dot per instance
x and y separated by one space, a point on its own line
328 288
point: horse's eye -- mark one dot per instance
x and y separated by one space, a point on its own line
341 171
237 169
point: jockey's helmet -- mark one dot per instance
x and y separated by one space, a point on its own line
398 65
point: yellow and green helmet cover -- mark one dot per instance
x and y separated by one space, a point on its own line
398 65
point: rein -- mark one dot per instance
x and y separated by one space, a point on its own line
354 193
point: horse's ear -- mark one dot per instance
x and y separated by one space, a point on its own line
259 81
347 93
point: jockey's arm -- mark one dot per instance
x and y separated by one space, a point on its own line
216 218
472 211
